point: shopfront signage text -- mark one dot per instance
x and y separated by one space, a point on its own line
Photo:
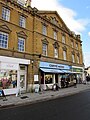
53 65
56 66
9 66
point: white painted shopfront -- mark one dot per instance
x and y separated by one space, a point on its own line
13 74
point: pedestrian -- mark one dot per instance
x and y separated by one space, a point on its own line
75 82
3 95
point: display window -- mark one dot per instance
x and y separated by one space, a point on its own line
48 79
8 79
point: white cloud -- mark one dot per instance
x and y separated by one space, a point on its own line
68 15
87 59
89 34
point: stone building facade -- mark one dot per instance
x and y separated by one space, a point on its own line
36 47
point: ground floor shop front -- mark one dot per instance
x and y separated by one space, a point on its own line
79 73
13 74
52 73
60 74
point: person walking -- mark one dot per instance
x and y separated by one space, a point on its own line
3 95
75 82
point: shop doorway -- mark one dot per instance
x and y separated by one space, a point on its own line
56 78
23 77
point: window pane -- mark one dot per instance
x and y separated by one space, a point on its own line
56 52
22 21
55 35
5 14
45 49
73 60
3 40
44 30
64 55
21 43
63 39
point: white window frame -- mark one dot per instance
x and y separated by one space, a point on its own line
44 49
5 14
73 58
64 55
3 40
44 29
56 52
21 46
22 21
63 39
55 35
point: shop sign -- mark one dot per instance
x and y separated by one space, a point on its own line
77 70
9 66
53 65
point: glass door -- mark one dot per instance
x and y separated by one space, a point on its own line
23 75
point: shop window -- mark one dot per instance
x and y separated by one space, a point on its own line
3 40
5 14
8 79
48 79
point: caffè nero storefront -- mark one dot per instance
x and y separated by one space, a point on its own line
51 73
13 74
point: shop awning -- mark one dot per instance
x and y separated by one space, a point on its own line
66 71
51 70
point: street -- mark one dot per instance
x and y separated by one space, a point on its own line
74 107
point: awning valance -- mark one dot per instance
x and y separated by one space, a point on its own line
51 70
47 70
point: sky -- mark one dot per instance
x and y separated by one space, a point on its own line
76 15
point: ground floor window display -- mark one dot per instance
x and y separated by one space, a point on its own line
48 79
79 73
8 79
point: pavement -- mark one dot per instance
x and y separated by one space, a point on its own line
31 98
